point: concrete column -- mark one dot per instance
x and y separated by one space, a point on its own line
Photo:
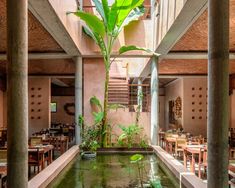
17 93
154 101
140 95
218 93
78 98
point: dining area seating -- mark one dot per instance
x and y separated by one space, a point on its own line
191 150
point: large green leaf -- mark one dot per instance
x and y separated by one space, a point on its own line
115 106
95 101
120 10
136 158
89 33
93 22
124 49
100 10
134 15
98 117
97 38
106 9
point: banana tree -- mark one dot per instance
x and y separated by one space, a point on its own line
104 30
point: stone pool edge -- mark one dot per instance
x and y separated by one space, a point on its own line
186 178
46 176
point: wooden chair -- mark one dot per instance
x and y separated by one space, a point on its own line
180 143
3 155
203 163
34 141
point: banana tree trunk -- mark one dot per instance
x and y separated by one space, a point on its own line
104 124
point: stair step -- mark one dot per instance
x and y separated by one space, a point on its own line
118 86
118 83
118 94
116 102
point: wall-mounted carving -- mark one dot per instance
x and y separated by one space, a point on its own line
178 107
69 108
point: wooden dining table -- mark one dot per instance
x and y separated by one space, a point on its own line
46 152
192 151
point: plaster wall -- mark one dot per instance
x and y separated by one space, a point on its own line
124 117
39 104
195 105
162 112
94 77
60 116
172 91
93 84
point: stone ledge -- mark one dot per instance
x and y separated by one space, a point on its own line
47 175
186 178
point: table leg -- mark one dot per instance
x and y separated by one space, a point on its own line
185 159
193 163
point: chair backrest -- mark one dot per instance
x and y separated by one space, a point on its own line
3 155
35 141
180 142
204 155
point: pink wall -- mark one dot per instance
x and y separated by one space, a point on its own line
39 104
94 77
61 116
172 91
195 105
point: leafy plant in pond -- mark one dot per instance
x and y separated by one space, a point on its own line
128 135
137 159
132 136
98 114
154 182
105 31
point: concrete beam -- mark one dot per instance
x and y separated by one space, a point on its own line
35 56
47 15
63 55
190 12
190 55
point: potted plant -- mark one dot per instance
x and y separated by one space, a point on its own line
90 140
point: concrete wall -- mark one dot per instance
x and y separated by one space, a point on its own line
195 105
60 116
39 104
172 91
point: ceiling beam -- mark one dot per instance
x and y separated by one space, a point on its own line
190 12
190 55
62 55
48 16
36 56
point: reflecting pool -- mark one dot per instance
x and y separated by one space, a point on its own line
114 171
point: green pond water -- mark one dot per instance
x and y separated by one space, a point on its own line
112 171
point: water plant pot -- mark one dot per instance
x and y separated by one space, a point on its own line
88 155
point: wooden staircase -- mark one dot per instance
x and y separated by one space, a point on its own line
118 91
118 86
